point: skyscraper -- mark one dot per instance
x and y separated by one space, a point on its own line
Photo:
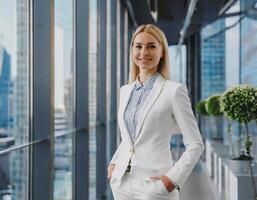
19 158
248 51
5 84
213 58
62 156
5 185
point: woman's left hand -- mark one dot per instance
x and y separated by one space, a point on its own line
166 182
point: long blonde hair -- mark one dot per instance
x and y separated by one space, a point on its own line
163 66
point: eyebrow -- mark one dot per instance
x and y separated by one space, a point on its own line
147 43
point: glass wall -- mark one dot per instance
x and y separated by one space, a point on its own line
92 66
177 63
232 48
108 64
119 77
126 51
228 59
213 73
213 58
64 101
111 82
20 165
14 97
248 64
232 70
249 45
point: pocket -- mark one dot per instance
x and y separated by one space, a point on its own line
112 182
112 179
162 187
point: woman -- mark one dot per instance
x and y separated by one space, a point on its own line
151 108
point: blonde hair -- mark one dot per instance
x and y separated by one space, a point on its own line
163 66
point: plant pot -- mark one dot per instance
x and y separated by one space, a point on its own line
239 166
216 126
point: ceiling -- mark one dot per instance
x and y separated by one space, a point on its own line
172 13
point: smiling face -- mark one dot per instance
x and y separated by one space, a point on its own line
146 51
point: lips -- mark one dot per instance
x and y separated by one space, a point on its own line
144 59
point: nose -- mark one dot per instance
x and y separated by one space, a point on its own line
144 51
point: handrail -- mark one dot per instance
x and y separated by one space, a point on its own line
10 149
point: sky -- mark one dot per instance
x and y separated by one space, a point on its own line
8 29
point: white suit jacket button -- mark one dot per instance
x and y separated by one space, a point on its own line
131 151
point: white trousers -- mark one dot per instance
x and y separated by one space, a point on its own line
131 188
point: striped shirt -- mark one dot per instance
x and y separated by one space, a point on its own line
137 99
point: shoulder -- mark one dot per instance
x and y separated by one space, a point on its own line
124 89
178 92
174 87
126 86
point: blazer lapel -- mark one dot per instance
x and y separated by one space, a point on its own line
124 103
155 93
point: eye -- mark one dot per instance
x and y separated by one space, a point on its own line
138 46
152 46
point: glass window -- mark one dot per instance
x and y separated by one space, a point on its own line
249 48
213 58
126 47
213 73
64 98
232 47
220 66
248 44
92 96
14 97
118 21
109 76
232 67
177 63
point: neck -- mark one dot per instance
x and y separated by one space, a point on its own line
144 75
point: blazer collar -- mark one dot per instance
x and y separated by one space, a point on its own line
123 104
154 94
148 84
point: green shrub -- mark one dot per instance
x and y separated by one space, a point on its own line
240 103
200 108
213 105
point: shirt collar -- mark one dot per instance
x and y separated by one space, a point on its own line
148 84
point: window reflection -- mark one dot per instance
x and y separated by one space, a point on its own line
64 99
212 72
177 63
248 44
92 96
14 97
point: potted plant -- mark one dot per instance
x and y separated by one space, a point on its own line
200 108
212 106
240 103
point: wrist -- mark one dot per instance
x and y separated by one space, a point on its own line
168 183
175 184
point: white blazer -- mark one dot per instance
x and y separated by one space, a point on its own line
167 111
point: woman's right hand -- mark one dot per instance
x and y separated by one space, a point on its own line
110 170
